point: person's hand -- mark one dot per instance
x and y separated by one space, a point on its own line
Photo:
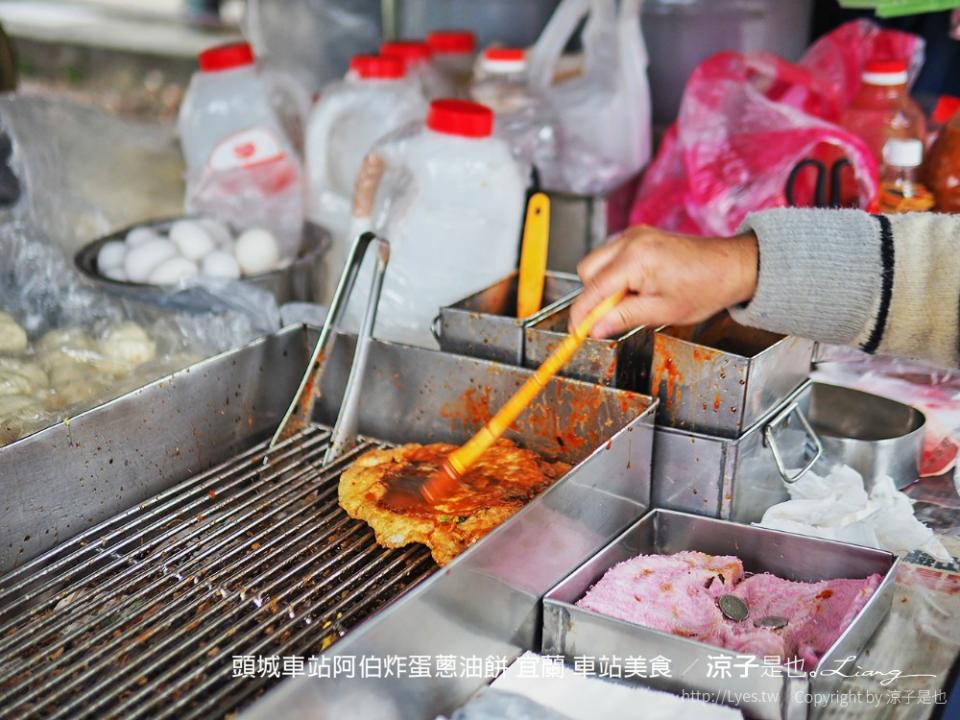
670 279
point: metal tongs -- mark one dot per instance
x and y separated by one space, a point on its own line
300 412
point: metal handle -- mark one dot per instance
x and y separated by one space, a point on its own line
345 429
436 328
770 442
348 278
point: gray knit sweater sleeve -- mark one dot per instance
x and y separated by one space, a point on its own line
888 284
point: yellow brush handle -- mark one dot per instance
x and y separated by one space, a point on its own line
533 256
461 459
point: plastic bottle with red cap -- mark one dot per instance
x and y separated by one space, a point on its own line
242 166
525 118
376 97
883 108
417 58
942 170
449 197
453 53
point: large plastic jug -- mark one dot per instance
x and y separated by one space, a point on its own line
375 98
241 166
524 117
449 197
416 56
453 53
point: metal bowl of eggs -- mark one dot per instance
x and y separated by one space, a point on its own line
146 261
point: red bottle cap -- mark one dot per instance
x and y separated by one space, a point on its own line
460 117
378 67
226 57
885 72
410 51
505 54
504 60
452 41
947 105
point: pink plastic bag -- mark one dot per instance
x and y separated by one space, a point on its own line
748 118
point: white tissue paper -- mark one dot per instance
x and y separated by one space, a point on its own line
837 507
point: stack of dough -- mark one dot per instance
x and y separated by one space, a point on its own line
65 368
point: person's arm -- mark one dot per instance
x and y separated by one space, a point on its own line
888 284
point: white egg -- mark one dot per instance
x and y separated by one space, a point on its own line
172 271
257 251
191 239
218 231
114 273
143 259
111 255
220 264
140 235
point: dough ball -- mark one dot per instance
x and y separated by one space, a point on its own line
191 238
127 344
12 383
13 338
69 371
74 393
20 407
34 374
220 264
64 345
257 251
144 258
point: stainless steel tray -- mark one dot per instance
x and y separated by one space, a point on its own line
734 479
719 378
571 631
485 325
173 472
619 362
302 280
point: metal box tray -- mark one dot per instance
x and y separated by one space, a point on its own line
734 479
761 693
484 325
719 377
615 362
184 447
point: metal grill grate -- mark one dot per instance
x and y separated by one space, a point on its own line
141 615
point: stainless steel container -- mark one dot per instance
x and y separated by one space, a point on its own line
760 693
484 325
874 435
618 362
156 512
719 377
735 478
300 281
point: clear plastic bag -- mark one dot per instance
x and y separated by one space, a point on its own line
312 40
604 112
748 118
83 172
75 347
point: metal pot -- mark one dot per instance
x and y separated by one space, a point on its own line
300 281
875 436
